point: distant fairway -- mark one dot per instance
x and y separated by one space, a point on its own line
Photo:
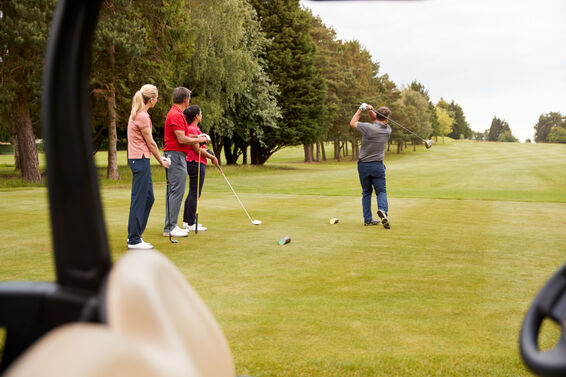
477 229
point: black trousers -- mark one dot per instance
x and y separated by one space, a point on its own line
191 200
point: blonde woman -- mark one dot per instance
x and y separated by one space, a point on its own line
140 148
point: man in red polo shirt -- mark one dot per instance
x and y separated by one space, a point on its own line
177 144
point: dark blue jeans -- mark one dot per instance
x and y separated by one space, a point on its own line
191 200
142 198
372 177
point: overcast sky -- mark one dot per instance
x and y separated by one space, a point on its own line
503 58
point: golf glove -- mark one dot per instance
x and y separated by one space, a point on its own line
207 137
363 106
166 159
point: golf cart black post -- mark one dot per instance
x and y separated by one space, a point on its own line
82 256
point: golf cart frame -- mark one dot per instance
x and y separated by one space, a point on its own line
138 317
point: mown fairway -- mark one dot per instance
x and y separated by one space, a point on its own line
477 229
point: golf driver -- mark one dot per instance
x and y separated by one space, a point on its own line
255 222
427 143
168 196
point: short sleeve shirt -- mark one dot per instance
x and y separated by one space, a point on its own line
175 121
192 155
374 141
137 147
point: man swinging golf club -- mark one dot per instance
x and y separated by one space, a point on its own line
371 169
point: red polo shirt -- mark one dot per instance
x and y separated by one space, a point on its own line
175 121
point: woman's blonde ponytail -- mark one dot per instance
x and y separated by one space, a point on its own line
141 97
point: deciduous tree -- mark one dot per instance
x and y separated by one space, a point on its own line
24 28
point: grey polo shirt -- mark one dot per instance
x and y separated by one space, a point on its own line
374 140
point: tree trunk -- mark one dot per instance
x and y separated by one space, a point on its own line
336 149
414 146
354 150
245 156
27 150
399 146
258 154
318 151
323 151
16 151
112 171
308 148
230 151
346 148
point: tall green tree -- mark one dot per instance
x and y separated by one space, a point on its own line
460 127
24 29
137 42
340 84
367 86
445 122
223 70
545 124
164 62
417 109
418 87
119 40
557 135
497 127
255 109
291 66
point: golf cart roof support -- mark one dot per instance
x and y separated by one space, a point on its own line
82 255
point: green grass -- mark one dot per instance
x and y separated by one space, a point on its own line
477 229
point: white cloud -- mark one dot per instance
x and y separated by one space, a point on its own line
503 58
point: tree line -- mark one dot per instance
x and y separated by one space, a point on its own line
551 128
267 74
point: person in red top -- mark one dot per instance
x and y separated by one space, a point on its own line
177 145
140 148
193 115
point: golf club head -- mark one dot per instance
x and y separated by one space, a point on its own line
428 144
173 240
256 222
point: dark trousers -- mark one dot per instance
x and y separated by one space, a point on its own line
372 177
142 198
191 200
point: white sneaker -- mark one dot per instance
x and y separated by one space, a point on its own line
141 245
193 227
176 232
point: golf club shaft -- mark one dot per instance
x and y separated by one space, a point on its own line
198 191
168 196
398 124
221 172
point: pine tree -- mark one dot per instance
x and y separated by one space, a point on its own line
460 127
291 66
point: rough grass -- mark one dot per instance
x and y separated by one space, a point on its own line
477 228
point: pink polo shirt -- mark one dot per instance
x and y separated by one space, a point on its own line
137 147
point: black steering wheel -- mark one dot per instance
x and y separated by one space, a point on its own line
550 303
